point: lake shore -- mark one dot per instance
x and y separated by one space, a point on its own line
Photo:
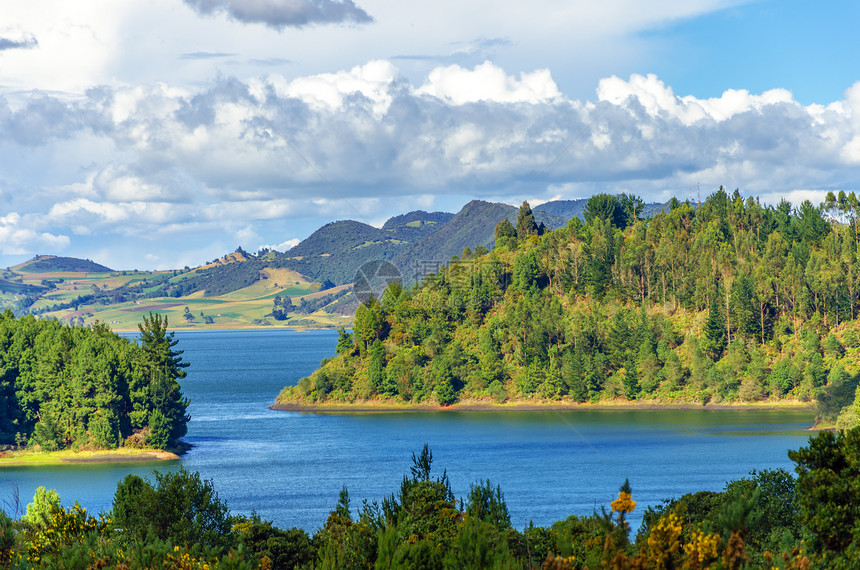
387 406
44 458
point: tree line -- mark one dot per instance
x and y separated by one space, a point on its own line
86 387
728 300
769 519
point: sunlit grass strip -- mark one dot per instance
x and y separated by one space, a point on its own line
119 455
530 405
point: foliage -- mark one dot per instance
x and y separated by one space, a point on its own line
290 548
180 507
66 386
765 520
729 301
164 368
38 514
488 505
828 485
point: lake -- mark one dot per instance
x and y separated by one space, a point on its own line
290 467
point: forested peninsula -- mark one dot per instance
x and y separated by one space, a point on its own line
725 302
86 388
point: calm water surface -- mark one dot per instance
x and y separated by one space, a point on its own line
290 467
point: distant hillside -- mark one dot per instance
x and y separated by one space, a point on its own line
51 263
564 209
337 250
415 242
567 209
337 238
19 288
418 218
651 209
471 227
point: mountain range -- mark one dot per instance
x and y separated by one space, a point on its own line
317 272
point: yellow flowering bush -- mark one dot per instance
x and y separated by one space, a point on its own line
181 559
624 503
63 527
664 541
702 546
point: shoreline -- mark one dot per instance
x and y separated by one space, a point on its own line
527 406
228 328
67 457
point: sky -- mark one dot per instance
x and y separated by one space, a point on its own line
155 134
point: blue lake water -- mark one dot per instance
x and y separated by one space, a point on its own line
290 467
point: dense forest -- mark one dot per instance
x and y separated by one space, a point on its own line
726 301
88 388
769 519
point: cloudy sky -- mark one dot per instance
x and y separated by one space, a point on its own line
161 133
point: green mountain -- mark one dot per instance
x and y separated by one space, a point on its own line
563 210
419 218
17 287
336 251
471 227
52 263
729 302
415 242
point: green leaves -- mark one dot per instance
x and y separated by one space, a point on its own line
180 507
828 486
63 386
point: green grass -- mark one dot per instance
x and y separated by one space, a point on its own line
43 458
238 309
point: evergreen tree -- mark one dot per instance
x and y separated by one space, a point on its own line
526 273
619 339
344 341
609 209
368 324
505 233
744 305
714 341
600 257
165 367
158 346
526 225
376 368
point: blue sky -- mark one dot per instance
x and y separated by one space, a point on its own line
166 133
809 48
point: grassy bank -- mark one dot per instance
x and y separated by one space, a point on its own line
532 406
67 456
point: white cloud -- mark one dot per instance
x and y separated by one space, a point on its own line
130 218
17 238
487 82
246 236
659 100
328 90
796 197
283 246
237 156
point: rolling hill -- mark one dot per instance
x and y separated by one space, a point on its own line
52 263
336 251
305 286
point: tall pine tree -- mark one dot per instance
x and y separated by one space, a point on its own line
526 225
714 341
